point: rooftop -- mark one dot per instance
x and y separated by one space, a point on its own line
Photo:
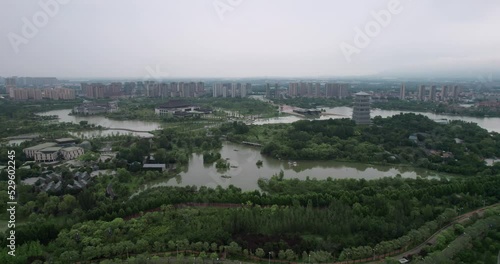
62 140
71 149
42 146
362 93
50 149
154 166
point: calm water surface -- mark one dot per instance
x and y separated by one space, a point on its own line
246 173
64 116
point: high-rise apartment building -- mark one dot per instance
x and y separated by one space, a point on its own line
336 90
94 90
200 87
421 93
217 90
444 92
455 92
39 94
271 92
317 90
129 88
303 89
402 92
293 89
433 93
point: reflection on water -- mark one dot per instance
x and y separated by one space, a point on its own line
244 172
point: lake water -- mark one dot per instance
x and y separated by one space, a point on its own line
64 116
246 173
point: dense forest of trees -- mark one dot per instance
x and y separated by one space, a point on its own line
384 214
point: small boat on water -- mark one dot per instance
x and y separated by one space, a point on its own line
233 166
235 150
225 176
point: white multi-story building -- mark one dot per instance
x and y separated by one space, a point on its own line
47 154
30 152
70 153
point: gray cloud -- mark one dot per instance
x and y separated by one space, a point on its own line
119 38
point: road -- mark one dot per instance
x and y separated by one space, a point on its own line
459 219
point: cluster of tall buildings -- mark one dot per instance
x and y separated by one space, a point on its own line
173 89
146 88
31 81
336 90
99 90
39 93
432 93
231 89
24 88
444 94
272 92
313 90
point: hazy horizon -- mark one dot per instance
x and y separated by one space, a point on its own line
248 39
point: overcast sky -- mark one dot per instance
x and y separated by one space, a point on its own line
289 38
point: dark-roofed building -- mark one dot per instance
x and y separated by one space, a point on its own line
158 167
30 152
82 176
64 141
177 107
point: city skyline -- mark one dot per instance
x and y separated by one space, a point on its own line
243 39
